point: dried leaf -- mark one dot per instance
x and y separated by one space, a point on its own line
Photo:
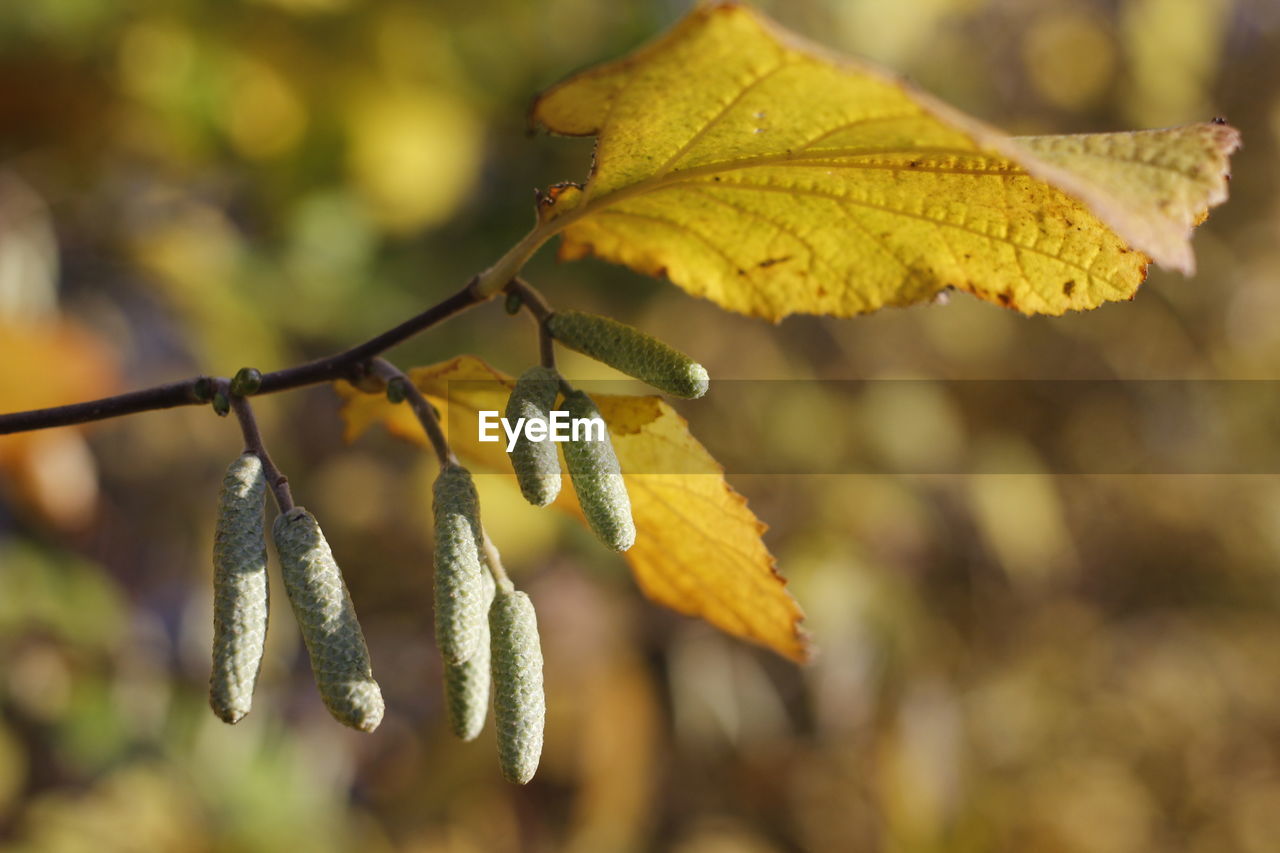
698 547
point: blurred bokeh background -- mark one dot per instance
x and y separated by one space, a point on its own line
1028 662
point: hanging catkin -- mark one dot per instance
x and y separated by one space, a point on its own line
240 595
536 463
597 479
466 685
519 706
327 618
459 593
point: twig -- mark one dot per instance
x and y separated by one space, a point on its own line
531 298
421 407
348 364
494 561
253 444
541 311
150 399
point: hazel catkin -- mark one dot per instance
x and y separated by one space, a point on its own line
519 705
536 464
322 605
459 592
597 479
631 351
240 593
466 684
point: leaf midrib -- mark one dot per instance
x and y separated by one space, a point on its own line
784 159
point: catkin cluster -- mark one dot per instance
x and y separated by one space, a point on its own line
591 461
316 592
481 653
592 464
486 629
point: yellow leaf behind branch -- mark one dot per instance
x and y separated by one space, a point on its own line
698 547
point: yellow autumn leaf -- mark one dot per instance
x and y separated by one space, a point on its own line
771 177
698 547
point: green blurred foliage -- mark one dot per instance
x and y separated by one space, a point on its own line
1008 662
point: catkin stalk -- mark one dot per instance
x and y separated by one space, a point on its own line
327 618
240 593
630 350
536 464
519 705
459 593
466 685
597 480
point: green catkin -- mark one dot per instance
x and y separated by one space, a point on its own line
466 685
631 351
597 480
322 605
240 595
459 593
535 462
519 705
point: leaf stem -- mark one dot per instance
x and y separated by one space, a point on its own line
498 276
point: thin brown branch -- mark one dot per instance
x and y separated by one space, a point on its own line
149 399
253 444
422 407
348 364
538 307
531 297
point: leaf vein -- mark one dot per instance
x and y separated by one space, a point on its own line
702 238
701 133
1132 161
787 158
814 256
842 199
723 544
858 122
